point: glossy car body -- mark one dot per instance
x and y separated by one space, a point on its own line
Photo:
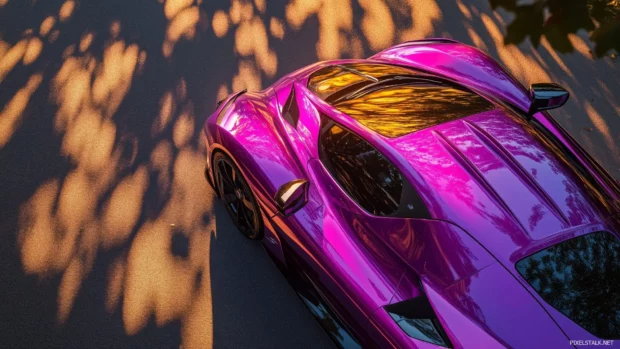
496 186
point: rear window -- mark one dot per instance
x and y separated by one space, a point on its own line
580 278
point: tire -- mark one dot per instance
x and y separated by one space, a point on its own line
238 197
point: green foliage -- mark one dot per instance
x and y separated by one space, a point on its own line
556 19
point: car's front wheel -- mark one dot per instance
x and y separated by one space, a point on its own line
238 198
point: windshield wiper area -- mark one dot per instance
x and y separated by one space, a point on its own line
389 82
358 73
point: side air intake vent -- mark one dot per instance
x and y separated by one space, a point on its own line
417 318
230 101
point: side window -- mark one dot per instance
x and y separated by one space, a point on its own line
367 176
290 111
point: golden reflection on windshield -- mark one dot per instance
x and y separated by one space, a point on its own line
397 111
332 79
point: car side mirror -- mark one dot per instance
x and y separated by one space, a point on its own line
292 196
546 96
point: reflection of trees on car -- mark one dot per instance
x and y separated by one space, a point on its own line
556 19
580 278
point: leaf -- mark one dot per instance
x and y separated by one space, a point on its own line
570 16
606 38
604 10
557 36
528 22
557 19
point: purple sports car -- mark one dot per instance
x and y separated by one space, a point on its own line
423 198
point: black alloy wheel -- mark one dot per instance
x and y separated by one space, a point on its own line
238 197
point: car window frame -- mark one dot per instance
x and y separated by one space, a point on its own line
409 194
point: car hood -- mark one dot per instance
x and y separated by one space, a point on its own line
493 176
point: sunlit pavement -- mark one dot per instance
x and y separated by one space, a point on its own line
110 235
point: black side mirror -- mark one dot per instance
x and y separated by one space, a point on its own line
546 96
292 196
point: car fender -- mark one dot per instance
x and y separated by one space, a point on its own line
250 135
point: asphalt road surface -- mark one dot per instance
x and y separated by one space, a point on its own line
110 237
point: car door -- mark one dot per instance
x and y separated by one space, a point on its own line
353 271
302 233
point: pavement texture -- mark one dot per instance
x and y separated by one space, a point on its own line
110 236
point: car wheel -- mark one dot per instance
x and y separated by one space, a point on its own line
238 198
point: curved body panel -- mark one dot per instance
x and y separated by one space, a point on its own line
249 132
497 187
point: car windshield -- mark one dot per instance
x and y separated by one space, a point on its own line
580 278
333 79
394 101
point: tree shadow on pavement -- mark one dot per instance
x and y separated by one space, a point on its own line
249 312
111 237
